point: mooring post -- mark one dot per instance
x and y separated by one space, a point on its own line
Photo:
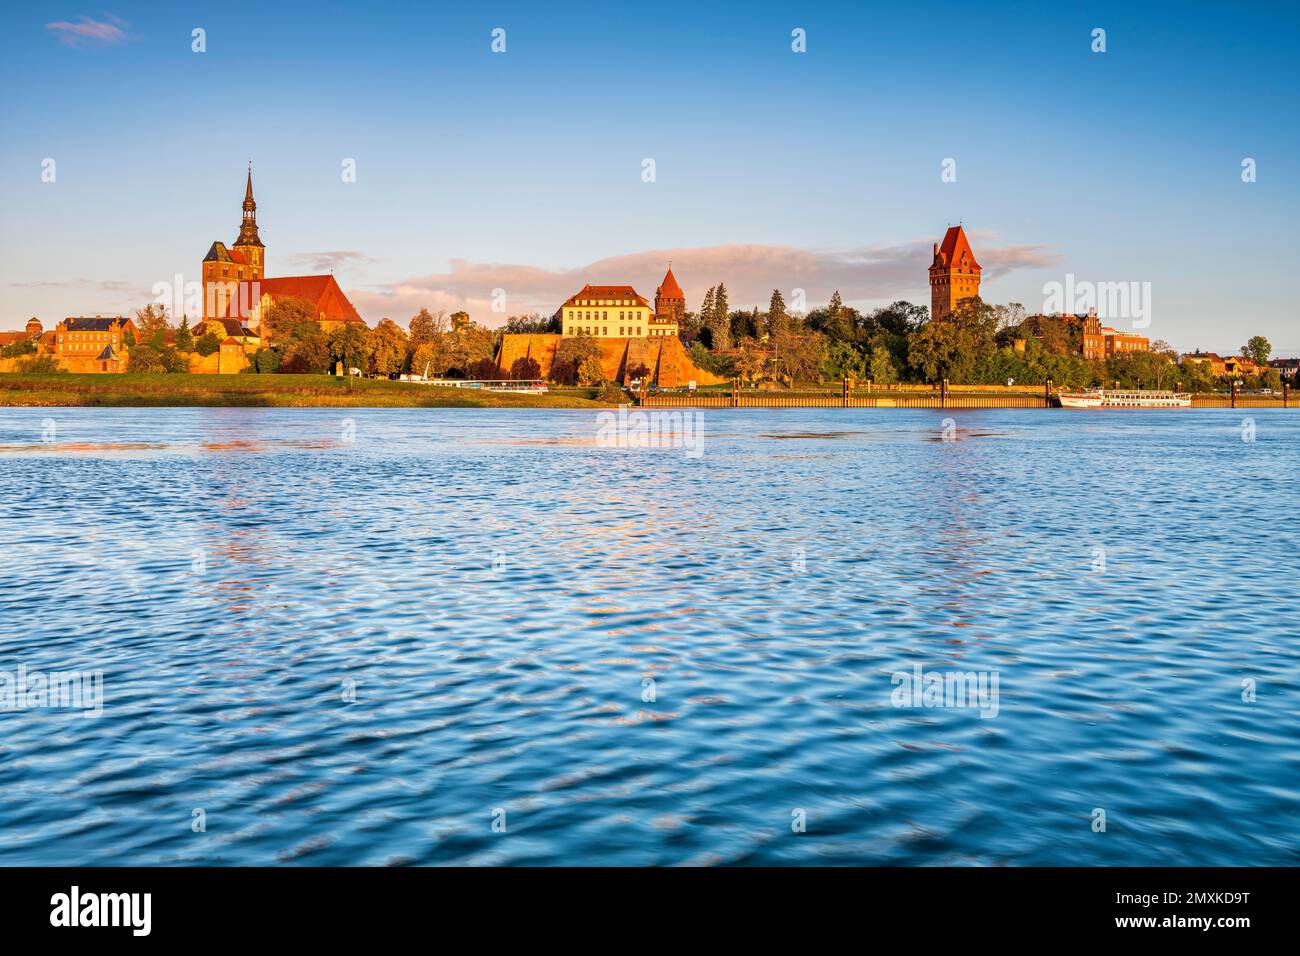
735 393
1047 394
845 394
943 393
1234 393
1285 390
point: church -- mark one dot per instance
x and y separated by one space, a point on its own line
236 292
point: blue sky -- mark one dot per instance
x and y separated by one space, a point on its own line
523 170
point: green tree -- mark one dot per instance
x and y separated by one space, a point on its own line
777 319
184 338
1257 349
265 361
942 349
153 325
207 344
532 325
882 370
18 349
719 320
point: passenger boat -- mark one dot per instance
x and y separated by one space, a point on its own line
1129 398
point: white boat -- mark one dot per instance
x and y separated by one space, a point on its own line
1128 398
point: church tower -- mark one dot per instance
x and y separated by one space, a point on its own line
225 269
248 242
954 274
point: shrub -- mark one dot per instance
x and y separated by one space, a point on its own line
611 393
39 365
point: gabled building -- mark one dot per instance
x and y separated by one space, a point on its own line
83 344
1216 362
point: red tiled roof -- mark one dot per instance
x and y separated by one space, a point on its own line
9 338
322 291
953 245
669 289
606 292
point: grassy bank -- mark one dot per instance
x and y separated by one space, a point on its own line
270 391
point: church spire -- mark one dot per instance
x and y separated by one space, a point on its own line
248 226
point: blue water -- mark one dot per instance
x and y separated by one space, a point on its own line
366 636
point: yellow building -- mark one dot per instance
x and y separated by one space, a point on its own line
606 311
617 312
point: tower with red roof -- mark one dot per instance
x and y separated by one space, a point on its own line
954 273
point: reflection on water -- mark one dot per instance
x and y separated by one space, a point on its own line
356 644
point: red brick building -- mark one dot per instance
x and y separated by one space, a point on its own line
235 284
954 274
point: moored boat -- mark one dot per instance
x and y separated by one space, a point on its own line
1125 398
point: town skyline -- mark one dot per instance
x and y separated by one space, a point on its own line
818 170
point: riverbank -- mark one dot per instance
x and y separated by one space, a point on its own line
272 391
328 391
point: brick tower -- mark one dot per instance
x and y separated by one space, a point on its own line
670 301
954 274
224 269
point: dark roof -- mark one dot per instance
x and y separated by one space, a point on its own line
108 355
97 324
218 253
233 327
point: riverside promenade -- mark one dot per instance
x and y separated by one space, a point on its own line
955 397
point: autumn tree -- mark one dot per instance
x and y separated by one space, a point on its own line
590 371
287 317
570 354
347 345
386 348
